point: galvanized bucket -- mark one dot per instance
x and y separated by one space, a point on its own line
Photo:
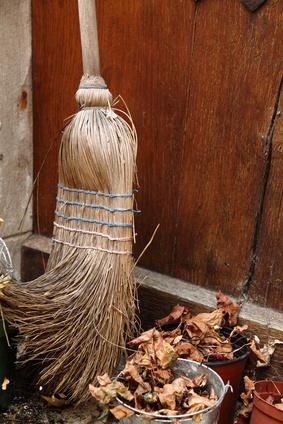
190 369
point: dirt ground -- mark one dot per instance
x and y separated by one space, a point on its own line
35 411
27 406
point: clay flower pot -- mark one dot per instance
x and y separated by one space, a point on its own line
231 371
263 412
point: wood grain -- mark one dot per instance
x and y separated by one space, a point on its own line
234 83
266 286
200 79
57 69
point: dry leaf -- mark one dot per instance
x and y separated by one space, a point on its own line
131 371
196 327
104 379
174 315
162 376
54 401
267 351
247 396
189 351
229 307
121 412
5 383
197 402
166 355
239 329
105 394
197 418
181 384
212 319
145 337
200 380
150 397
177 339
257 353
168 397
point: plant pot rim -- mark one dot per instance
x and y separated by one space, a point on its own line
227 362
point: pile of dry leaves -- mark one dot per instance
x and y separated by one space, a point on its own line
200 337
148 384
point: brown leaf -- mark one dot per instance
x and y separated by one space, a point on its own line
140 390
239 329
257 353
172 334
189 351
166 354
229 307
197 327
174 315
54 401
267 351
162 376
247 396
105 394
143 338
180 384
177 339
131 371
121 412
197 418
5 383
168 397
197 402
104 379
211 319
200 380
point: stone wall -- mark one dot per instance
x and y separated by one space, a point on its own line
15 123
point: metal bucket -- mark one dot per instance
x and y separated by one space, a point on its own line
190 369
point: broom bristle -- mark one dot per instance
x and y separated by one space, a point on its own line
76 318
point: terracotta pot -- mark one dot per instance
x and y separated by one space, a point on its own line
231 372
263 412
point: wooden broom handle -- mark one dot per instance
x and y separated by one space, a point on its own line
89 37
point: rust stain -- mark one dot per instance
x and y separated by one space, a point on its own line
23 101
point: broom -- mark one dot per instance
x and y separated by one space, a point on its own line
75 319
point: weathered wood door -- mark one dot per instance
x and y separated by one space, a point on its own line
203 82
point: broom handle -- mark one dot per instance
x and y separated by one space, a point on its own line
89 37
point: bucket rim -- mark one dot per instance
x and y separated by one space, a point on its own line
182 416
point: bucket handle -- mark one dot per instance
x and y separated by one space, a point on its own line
227 387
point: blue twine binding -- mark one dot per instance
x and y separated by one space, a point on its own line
77 218
67 202
96 193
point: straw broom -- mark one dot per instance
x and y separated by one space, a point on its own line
75 319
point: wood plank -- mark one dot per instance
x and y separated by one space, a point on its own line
200 80
146 57
266 285
233 86
56 69
158 293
